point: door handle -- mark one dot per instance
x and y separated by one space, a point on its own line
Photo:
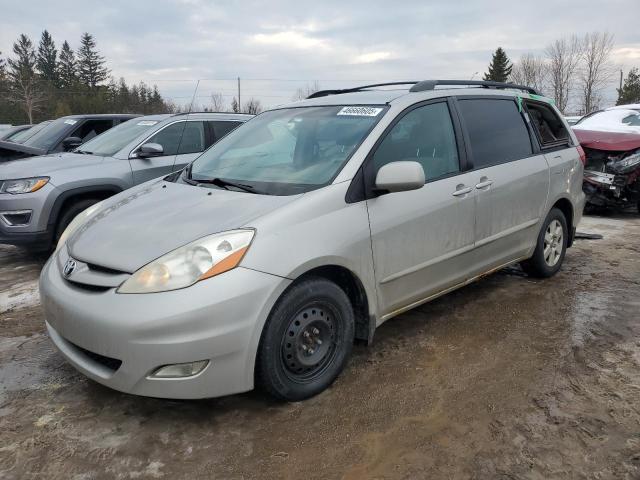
484 184
462 190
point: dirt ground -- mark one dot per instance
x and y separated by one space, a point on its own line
508 378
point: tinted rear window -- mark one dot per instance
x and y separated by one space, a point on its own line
496 129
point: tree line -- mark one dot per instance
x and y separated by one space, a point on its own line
574 71
38 83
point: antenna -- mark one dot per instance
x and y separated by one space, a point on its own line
184 126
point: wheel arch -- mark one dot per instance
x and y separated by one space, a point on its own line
68 197
566 207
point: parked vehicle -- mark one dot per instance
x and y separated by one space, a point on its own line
11 132
61 135
39 196
611 120
307 227
24 135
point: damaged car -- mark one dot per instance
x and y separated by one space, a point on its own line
611 142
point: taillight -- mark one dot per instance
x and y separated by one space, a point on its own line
583 156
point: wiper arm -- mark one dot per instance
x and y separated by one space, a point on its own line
82 152
220 182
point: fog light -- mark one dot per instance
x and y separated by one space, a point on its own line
180 370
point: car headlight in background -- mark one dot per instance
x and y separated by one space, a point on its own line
76 222
204 258
23 185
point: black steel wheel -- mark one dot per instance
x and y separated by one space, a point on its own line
306 341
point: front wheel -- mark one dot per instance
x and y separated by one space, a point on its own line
306 341
551 247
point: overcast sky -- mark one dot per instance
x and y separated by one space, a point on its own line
279 45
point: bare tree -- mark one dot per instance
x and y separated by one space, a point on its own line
596 69
532 71
252 106
304 92
564 56
217 102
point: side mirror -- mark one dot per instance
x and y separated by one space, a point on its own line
71 142
150 150
400 177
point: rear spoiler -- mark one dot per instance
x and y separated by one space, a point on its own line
17 147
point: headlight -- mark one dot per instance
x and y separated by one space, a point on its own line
23 185
204 258
627 164
76 222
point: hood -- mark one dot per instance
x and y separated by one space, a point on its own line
143 223
609 141
46 165
11 148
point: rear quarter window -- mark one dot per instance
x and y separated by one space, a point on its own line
496 129
549 128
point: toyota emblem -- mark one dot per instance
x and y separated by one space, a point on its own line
69 267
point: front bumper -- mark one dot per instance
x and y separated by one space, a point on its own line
118 340
37 233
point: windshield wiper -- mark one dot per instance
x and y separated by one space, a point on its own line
82 152
220 182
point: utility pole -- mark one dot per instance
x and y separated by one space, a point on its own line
239 101
620 80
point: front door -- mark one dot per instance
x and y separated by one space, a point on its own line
422 240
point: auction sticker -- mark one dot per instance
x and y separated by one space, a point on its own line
70 121
147 123
360 111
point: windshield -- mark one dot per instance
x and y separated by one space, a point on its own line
113 140
615 120
288 151
20 137
50 134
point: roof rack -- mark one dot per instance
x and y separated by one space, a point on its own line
325 93
429 85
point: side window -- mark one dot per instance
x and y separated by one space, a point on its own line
549 129
423 135
220 129
496 129
91 128
189 138
193 138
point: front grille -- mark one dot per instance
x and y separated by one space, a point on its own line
112 364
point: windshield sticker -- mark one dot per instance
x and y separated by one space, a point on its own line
360 111
70 121
147 123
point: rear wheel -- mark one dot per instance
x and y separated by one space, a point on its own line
551 247
306 341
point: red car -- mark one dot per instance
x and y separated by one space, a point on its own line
611 141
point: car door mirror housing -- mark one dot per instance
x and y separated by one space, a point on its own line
150 150
71 142
400 177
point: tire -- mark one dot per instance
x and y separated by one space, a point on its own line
306 341
69 214
553 235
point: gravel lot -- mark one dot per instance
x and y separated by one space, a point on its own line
508 378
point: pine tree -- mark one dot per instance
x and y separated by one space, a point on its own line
46 60
24 87
630 91
91 65
67 67
3 69
500 67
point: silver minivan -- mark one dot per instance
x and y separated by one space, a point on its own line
306 228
